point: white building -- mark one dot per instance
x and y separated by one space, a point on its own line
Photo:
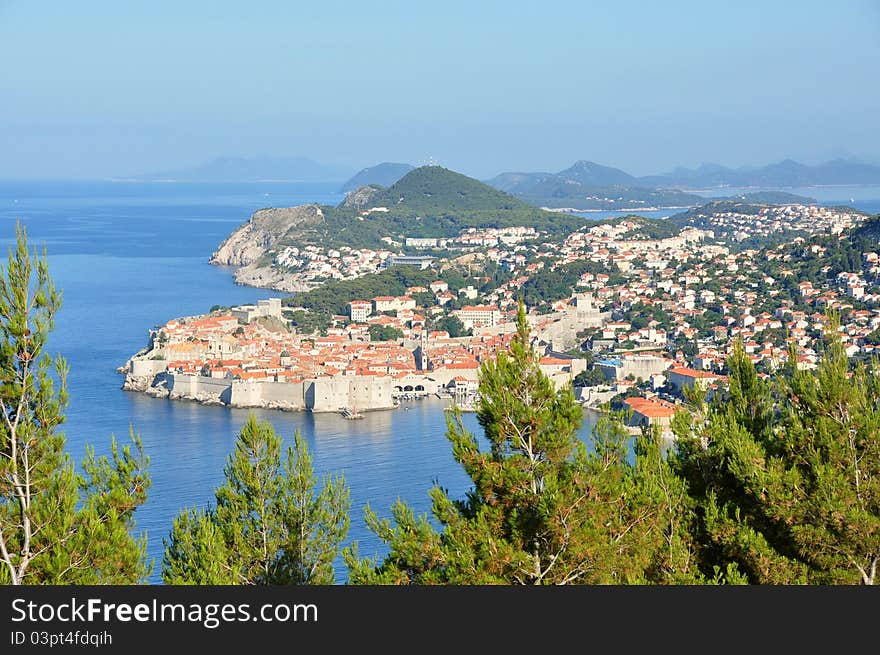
473 316
468 292
359 310
393 303
269 307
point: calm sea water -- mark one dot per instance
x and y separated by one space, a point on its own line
131 255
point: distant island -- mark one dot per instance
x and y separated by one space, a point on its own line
770 198
787 173
587 185
384 174
261 169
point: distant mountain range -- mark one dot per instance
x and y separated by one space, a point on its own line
261 169
787 173
583 173
588 185
585 185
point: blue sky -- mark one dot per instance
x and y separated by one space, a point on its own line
101 89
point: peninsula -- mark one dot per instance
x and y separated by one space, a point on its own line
250 356
410 288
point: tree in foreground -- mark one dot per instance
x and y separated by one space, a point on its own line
56 526
268 525
543 509
788 473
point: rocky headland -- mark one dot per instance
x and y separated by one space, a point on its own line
247 246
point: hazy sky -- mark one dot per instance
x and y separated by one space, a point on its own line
110 88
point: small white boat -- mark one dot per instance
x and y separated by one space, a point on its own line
350 413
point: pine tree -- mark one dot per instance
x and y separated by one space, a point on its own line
787 475
662 546
542 510
196 552
268 525
56 526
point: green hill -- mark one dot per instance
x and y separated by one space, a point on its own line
430 201
592 174
869 230
436 190
646 228
699 216
433 201
773 198
555 192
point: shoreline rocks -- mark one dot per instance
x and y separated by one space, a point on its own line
264 277
266 227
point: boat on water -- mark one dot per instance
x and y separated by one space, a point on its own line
350 413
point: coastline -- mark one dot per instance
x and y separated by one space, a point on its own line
574 210
224 395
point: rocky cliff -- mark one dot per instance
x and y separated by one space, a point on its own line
268 277
360 198
262 231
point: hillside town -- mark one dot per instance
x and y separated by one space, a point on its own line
739 225
310 265
662 317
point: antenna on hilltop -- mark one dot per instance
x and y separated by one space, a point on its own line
430 161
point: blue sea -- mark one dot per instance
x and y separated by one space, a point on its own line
129 256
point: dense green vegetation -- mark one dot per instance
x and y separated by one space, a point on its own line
592 377
453 325
640 314
648 228
333 297
773 198
869 230
309 322
562 193
384 333
57 526
432 189
785 474
819 259
430 201
699 216
551 284
269 525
